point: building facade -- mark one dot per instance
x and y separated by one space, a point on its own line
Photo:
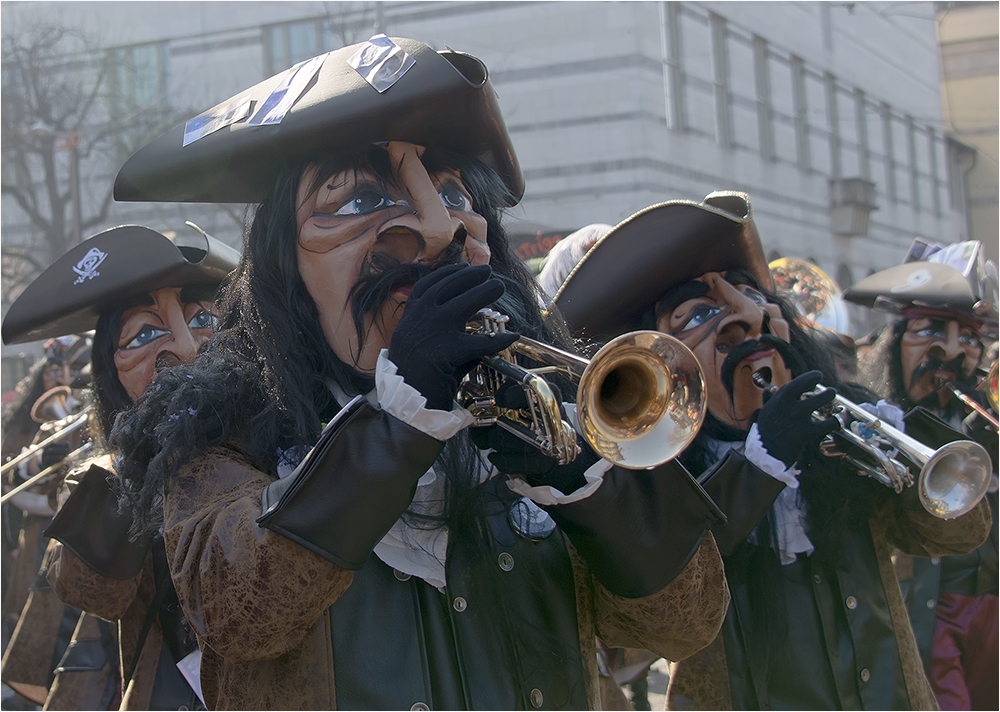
828 114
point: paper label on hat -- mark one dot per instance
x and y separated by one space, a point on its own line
381 62
293 82
218 117
961 255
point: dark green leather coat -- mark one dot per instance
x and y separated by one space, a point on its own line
864 635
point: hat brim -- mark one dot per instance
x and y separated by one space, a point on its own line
654 250
445 100
70 296
915 284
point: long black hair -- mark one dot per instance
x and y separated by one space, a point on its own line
107 392
260 384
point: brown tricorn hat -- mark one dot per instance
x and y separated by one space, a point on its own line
384 89
654 250
108 268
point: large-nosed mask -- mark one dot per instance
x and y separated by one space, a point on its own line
365 235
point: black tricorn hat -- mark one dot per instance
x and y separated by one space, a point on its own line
654 250
442 99
114 265
921 284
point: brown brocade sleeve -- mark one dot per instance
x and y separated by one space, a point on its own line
78 585
676 622
916 532
249 592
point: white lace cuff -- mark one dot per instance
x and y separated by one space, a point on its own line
758 455
547 494
401 400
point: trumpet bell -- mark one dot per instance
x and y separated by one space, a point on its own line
954 479
642 400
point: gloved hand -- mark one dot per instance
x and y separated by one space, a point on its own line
514 456
56 452
786 424
430 346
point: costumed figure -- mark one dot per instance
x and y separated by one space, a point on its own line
931 356
817 620
150 300
45 398
335 536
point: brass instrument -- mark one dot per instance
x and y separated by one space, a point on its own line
951 481
640 400
813 292
71 426
970 403
44 474
54 404
989 385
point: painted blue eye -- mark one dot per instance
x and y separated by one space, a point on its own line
202 320
454 199
147 335
754 296
699 315
934 331
366 201
967 338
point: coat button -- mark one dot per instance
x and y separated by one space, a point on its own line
852 602
816 578
936 560
460 604
506 561
931 603
419 706
865 675
537 699
400 576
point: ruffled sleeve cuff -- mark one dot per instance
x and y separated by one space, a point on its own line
549 495
405 403
758 455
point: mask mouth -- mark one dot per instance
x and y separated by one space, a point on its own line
750 349
384 277
166 360
940 370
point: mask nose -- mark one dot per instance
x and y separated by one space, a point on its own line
435 227
743 308
951 347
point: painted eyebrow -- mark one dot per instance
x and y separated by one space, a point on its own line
678 295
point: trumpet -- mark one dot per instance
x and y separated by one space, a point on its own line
972 404
640 400
951 481
71 426
54 404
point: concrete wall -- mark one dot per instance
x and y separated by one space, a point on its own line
591 91
970 94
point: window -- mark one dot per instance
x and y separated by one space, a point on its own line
292 42
139 76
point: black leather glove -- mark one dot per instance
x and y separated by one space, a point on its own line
514 456
430 346
785 422
54 453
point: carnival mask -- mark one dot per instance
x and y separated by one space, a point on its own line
733 331
356 224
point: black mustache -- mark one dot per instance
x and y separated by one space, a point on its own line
742 350
933 363
381 274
